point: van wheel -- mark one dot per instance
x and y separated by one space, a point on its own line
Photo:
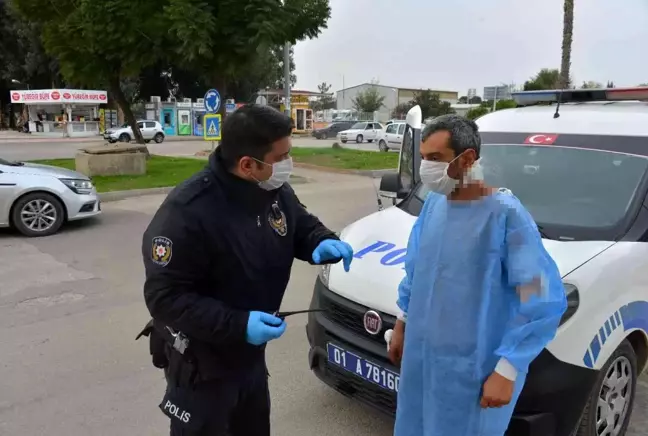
609 407
124 137
382 146
37 214
359 139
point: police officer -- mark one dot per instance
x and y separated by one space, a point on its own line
218 255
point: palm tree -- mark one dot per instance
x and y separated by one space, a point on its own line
568 30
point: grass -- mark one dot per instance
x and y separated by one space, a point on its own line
344 158
163 171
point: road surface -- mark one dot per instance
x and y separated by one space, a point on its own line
30 150
71 305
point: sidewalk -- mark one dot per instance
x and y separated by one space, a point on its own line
13 136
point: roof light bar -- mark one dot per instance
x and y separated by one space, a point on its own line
526 98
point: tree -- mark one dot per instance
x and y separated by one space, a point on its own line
475 100
610 84
114 40
369 100
222 38
325 100
505 104
431 105
568 30
278 66
401 110
545 79
463 99
590 84
477 112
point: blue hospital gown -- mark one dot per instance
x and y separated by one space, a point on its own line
464 263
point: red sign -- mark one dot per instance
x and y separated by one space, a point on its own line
36 96
541 139
102 96
56 95
67 95
15 96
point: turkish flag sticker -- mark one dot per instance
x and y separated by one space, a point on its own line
541 139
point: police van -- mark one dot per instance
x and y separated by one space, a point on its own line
578 161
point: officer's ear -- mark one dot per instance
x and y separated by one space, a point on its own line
246 165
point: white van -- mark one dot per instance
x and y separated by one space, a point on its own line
578 160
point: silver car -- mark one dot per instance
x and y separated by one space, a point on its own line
37 199
151 131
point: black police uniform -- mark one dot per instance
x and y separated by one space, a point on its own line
217 248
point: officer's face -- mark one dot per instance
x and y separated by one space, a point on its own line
280 151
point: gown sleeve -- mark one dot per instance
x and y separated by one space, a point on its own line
540 298
405 286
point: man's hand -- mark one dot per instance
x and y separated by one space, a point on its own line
332 249
396 343
497 391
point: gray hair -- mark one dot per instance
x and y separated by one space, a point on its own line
464 133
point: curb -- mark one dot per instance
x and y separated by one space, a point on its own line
376 174
106 197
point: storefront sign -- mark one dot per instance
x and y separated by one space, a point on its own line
183 104
62 96
299 99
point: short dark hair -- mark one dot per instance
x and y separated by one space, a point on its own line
464 133
250 131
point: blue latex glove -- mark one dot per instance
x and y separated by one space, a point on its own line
332 249
263 327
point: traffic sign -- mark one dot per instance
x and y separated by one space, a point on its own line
230 107
212 127
212 101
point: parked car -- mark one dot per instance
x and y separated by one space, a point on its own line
392 137
332 129
151 131
583 176
362 131
38 199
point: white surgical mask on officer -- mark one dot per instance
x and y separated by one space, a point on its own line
434 174
281 172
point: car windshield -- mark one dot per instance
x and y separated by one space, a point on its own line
358 126
565 186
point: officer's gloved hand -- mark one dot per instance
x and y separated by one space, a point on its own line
332 249
263 327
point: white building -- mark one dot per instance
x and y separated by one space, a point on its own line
502 92
472 93
393 97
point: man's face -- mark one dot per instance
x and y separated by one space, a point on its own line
261 171
436 148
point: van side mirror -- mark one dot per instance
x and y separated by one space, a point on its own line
390 186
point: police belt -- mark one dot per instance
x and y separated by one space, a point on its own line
159 335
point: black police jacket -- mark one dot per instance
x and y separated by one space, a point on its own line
218 248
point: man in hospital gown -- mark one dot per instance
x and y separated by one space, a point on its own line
480 300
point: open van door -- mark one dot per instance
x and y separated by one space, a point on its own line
398 185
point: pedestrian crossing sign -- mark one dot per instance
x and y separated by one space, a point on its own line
212 127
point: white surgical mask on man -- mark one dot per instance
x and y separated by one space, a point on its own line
281 172
435 175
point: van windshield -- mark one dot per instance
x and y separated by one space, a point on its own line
565 186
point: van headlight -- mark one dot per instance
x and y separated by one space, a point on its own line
324 274
79 186
573 301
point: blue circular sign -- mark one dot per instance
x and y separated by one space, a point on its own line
212 101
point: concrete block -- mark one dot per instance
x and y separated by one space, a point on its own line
115 164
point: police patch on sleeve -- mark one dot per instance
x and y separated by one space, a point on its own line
161 250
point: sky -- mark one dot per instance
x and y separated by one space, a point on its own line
460 44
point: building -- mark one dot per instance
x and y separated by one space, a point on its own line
472 93
463 108
501 92
393 97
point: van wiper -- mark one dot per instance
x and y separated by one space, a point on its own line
542 233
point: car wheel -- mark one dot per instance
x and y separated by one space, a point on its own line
37 214
124 137
359 139
382 146
111 141
158 138
369 140
609 407
146 141
344 141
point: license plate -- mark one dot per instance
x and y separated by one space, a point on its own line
369 371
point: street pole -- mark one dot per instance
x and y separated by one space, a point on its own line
495 99
287 77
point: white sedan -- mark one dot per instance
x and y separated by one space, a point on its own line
360 132
37 199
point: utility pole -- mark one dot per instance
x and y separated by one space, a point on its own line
287 78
